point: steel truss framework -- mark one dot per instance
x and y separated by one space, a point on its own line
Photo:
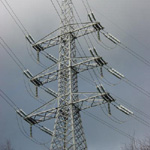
68 132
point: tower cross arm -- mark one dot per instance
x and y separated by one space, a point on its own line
93 100
86 64
88 102
80 31
83 65
42 116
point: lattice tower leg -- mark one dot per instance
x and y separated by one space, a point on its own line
68 130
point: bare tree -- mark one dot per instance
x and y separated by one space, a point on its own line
6 146
138 144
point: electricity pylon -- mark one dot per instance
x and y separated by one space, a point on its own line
68 131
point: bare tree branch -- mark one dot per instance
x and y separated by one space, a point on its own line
138 144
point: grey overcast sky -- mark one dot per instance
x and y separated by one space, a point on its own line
128 20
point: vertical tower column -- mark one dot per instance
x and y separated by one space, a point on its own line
68 130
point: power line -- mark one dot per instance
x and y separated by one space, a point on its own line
141 120
102 44
25 134
67 82
14 106
132 107
133 115
129 50
142 59
12 54
16 17
111 117
133 53
88 5
114 128
118 27
143 91
8 100
107 124
127 81
31 54
137 87
30 92
56 10
86 41
85 6
20 26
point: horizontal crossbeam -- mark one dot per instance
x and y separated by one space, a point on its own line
92 101
83 65
47 42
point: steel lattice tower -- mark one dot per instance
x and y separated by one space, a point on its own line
68 132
